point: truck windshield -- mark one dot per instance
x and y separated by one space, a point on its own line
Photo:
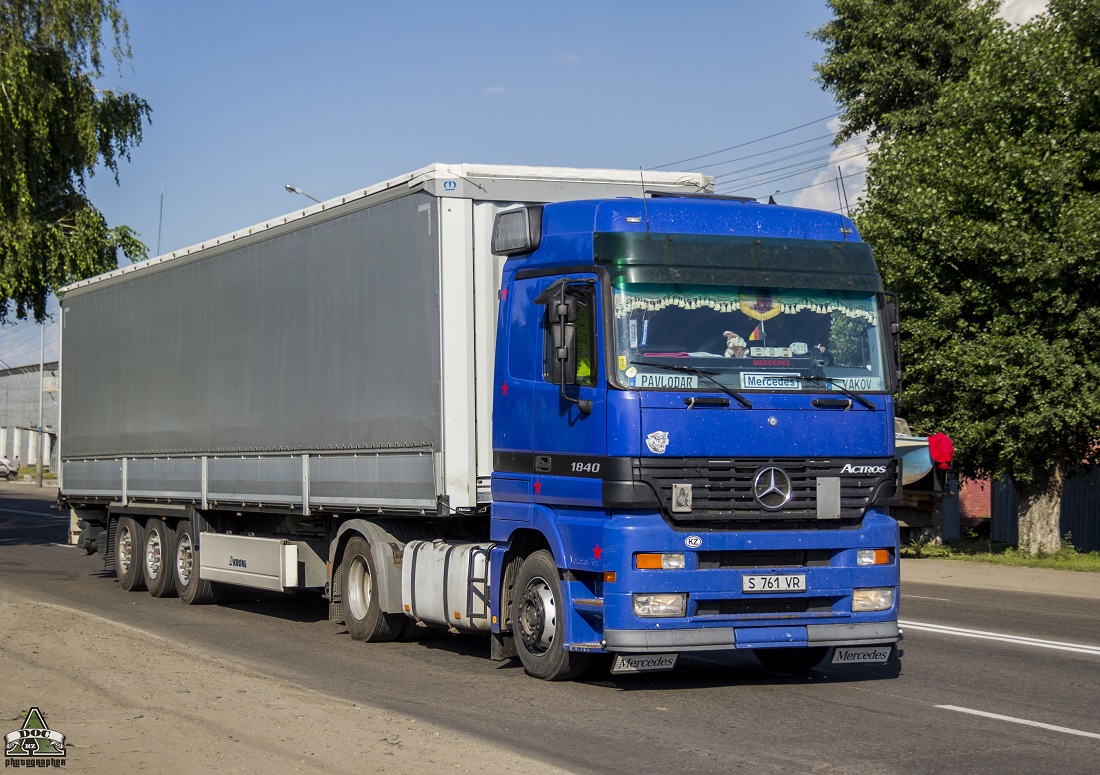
748 338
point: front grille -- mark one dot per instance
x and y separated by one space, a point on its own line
752 606
722 490
793 558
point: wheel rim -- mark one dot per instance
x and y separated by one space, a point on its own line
154 554
538 617
358 593
185 559
125 549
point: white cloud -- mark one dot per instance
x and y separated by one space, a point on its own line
848 160
570 58
494 90
1020 11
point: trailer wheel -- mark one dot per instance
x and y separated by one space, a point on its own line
160 549
798 660
185 569
364 618
129 542
538 611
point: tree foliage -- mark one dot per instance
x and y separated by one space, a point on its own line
887 61
986 221
56 128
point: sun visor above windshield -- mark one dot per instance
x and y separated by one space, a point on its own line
720 259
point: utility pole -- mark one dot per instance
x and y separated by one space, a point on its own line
41 390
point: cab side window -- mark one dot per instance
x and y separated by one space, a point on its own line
585 328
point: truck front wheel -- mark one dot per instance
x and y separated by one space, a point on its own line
129 543
538 622
796 660
364 618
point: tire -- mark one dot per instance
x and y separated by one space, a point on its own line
793 661
158 558
538 623
129 543
185 570
364 618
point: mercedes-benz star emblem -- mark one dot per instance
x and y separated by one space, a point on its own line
772 488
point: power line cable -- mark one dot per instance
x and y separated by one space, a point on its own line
849 176
827 161
860 137
754 155
788 157
748 142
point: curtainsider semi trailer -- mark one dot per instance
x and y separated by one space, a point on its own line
577 411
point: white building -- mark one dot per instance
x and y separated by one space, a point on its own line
20 389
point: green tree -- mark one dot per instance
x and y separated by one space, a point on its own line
986 221
56 127
888 60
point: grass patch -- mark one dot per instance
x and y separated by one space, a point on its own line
976 549
30 474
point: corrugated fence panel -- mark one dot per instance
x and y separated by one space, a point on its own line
1004 527
1081 510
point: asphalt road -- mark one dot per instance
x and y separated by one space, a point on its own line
961 702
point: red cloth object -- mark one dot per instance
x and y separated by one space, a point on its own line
942 450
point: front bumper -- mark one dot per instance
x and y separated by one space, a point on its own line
719 615
719 638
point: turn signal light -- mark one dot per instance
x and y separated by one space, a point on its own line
673 561
865 557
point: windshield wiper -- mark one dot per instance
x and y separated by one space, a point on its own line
839 386
707 375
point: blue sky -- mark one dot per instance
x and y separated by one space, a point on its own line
334 96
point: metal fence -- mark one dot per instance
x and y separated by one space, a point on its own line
1080 517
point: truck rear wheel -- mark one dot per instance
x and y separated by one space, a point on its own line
538 612
160 549
192 590
363 616
129 542
798 660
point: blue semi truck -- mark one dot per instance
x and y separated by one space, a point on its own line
578 412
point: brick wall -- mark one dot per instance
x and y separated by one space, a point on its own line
974 498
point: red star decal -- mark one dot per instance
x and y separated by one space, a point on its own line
597 551
538 487
504 389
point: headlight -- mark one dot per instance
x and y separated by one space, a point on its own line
873 599
866 557
659 561
660 605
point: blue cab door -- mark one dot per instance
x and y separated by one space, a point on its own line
559 425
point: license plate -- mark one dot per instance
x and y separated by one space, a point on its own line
861 655
643 663
790 582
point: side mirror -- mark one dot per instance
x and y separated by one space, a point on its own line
894 327
561 317
563 338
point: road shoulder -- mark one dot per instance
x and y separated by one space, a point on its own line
980 575
128 700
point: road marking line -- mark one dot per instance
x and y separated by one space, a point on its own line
1078 648
32 513
922 597
1023 721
